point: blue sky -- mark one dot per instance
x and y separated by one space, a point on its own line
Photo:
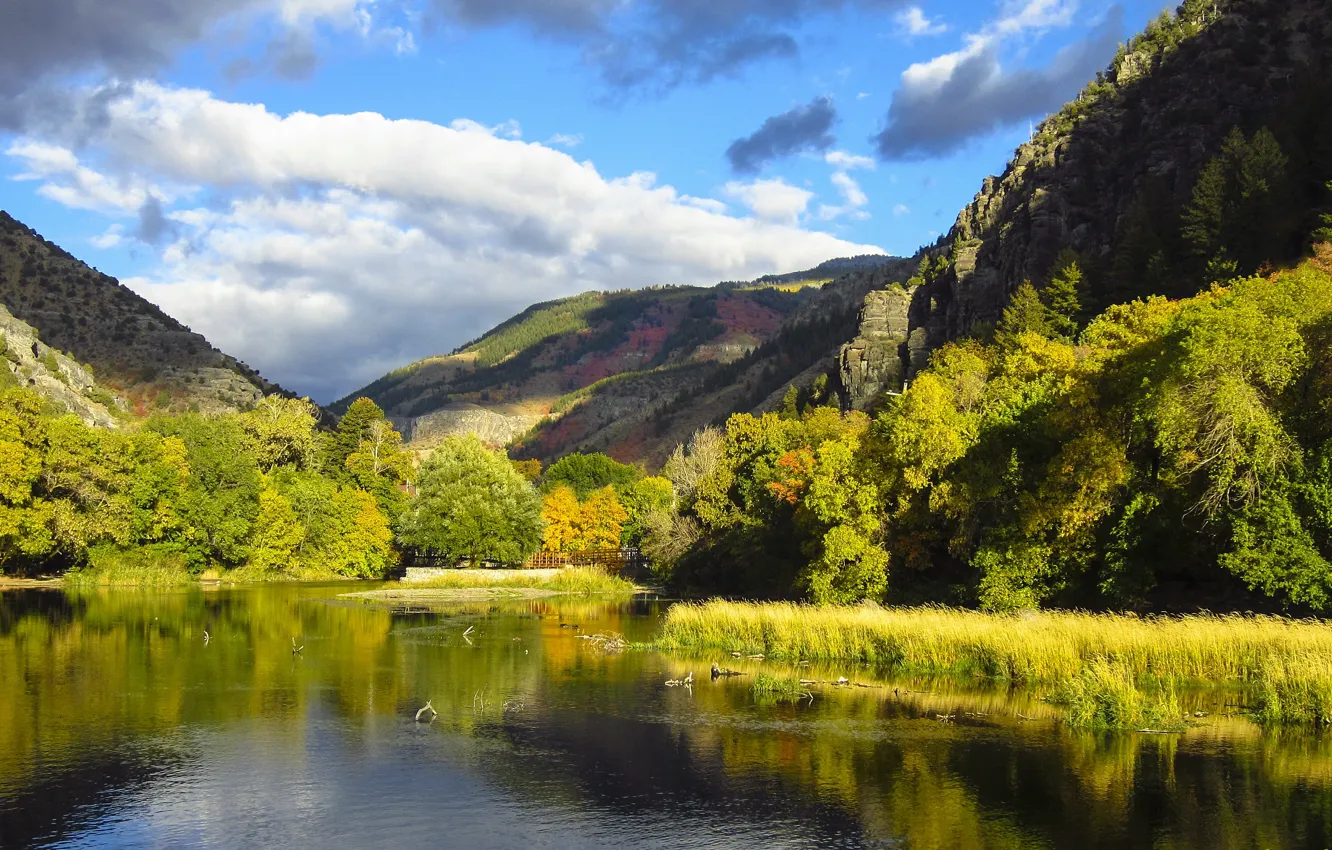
331 188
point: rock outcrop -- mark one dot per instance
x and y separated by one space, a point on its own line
460 420
60 379
877 359
1134 140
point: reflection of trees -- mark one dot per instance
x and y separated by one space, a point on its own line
81 674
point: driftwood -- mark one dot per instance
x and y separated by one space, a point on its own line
423 709
206 637
294 648
686 682
718 672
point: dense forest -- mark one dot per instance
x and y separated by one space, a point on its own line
259 495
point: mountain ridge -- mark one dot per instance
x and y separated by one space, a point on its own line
129 343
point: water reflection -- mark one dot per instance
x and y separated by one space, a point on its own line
120 725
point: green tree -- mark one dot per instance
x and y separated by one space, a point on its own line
220 499
586 473
281 432
1024 314
352 430
472 504
1239 216
277 534
1062 296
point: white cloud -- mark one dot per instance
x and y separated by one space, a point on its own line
850 189
772 200
901 209
566 140
337 247
113 237
912 22
843 161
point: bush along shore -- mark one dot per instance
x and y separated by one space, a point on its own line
1108 670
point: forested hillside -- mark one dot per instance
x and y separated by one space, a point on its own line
130 345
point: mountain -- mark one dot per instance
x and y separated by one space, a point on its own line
128 343
1203 151
632 373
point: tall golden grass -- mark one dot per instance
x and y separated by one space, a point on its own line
1286 663
570 580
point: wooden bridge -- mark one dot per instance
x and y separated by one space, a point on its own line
613 560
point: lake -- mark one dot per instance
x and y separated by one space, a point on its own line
121 726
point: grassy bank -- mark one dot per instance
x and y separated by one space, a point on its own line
1088 659
571 580
144 568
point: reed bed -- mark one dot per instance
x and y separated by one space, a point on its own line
1290 656
1106 695
144 568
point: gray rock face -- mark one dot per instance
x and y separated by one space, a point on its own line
874 361
461 420
59 379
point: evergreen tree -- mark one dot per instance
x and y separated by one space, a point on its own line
1062 296
1239 216
353 428
1024 314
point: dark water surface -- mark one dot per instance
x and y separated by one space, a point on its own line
121 727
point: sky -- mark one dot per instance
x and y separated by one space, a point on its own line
331 189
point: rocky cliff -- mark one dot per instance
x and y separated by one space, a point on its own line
1107 175
61 380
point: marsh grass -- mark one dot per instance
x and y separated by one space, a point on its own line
144 567
572 580
767 688
1091 661
1295 691
1106 695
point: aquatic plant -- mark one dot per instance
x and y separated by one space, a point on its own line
779 689
1295 690
1107 695
144 567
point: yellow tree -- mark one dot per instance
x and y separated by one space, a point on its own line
564 517
603 519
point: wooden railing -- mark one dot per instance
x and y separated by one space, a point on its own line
613 559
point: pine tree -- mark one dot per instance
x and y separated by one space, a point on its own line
1062 296
1024 314
352 429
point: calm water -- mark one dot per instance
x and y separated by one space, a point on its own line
121 727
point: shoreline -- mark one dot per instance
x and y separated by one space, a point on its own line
453 594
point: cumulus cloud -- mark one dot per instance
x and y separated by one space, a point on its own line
772 200
911 22
327 249
805 128
945 102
